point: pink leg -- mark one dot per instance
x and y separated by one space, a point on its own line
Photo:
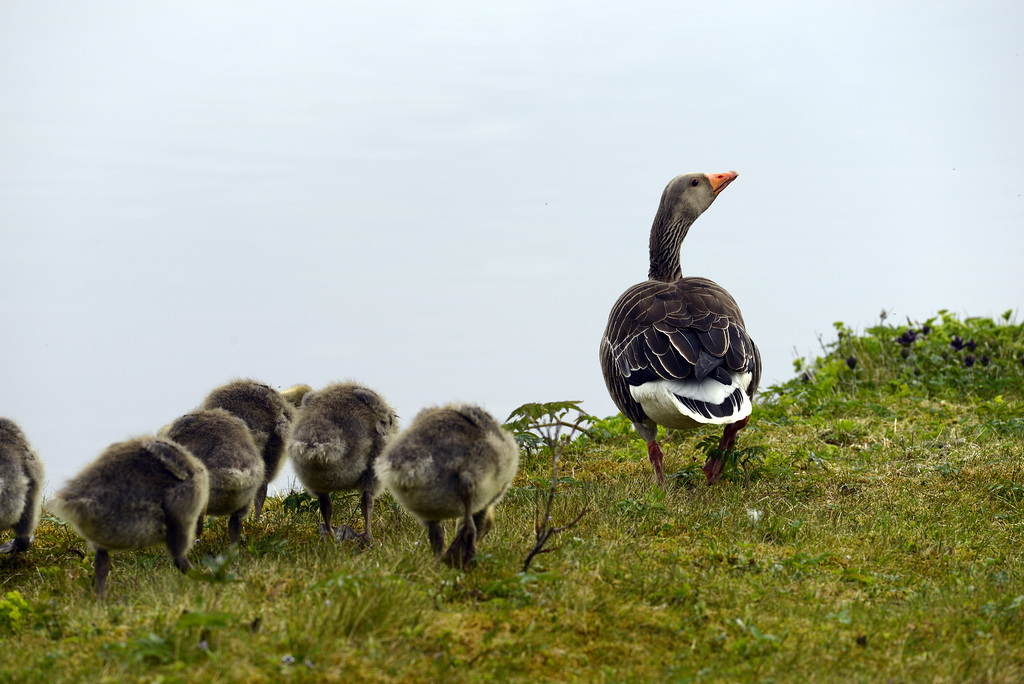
655 454
729 436
713 467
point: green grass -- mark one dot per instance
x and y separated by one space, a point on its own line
881 538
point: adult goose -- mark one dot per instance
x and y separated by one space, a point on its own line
676 351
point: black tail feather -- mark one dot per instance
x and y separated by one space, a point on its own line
729 407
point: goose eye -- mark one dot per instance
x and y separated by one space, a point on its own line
694 182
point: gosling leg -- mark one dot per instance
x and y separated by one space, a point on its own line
463 547
367 505
326 512
178 542
435 533
102 565
235 525
257 504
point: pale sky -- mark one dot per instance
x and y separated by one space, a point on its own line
443 200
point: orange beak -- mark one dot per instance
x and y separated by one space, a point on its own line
720 180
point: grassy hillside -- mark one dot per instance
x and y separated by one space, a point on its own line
880 538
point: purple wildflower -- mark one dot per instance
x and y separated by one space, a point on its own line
968 360
956 343
851 362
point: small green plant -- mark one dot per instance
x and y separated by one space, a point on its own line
546 422
14 612
747 459
151 649
751 641
537 426
218 568
944 357
300 501
1010 492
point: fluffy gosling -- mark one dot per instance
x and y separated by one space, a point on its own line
223 443
293 395
21 487
137 493
269 418
454 461
334 443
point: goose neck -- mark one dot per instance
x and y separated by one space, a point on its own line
666 241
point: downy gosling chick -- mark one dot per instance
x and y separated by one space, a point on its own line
144 491
454 461
293 395
269 418
334 443
223 443
21 487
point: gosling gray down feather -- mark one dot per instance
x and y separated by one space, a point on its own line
137 493
269 418
337 436
453 461
224 445
21 487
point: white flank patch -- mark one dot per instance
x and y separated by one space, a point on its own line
658 399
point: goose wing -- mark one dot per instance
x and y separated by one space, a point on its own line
689 329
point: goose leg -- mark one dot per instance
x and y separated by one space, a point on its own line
435 533
463 547
102 568
713 469
729 435
656 455
714 466
649 433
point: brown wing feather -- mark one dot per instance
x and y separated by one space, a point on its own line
674 330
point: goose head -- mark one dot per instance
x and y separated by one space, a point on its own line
685 198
